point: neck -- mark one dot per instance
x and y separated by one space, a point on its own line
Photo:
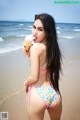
44 42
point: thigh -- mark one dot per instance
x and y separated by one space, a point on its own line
36 106
55 111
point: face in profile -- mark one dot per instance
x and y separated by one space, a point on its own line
38 31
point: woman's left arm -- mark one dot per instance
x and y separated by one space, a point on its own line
34 71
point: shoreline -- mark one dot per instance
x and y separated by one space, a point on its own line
14 71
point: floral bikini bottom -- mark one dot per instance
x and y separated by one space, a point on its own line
48 94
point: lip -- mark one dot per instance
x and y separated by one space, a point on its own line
34 37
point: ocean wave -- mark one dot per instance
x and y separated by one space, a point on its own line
10 37
67 37
14 36
1 39
30 26
21 35
21 24
30 29
77 30
76 27
9 49
58 32
58 27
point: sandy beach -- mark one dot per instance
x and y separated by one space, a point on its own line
14 67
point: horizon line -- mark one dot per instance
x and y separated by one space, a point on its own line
33 21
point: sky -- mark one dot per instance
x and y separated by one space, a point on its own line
25 10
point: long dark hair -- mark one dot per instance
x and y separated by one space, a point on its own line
53 56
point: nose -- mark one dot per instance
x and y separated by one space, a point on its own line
35 32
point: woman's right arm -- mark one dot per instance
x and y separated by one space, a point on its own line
34 71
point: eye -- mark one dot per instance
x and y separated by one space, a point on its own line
34 26
40 29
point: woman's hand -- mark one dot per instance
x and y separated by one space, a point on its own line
26 47
26 52
28 42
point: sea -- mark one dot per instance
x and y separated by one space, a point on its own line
12 33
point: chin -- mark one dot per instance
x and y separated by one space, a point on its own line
36 41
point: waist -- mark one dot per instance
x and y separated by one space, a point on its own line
41 83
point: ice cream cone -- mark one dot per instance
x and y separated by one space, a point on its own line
28 42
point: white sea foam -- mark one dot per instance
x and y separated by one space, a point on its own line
30 26
58 27
77 30
9 49
22 35
21 24
1 39
58 32
76 27
67 37
28 29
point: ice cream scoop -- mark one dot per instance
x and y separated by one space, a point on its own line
28 41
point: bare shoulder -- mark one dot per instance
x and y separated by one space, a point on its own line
38 48
35 49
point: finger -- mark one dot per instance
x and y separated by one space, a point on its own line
24 49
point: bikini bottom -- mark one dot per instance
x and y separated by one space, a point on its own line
48 94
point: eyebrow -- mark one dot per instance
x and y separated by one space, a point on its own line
38 27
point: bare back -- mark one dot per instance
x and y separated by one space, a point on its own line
43 75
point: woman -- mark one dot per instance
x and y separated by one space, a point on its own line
42 84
